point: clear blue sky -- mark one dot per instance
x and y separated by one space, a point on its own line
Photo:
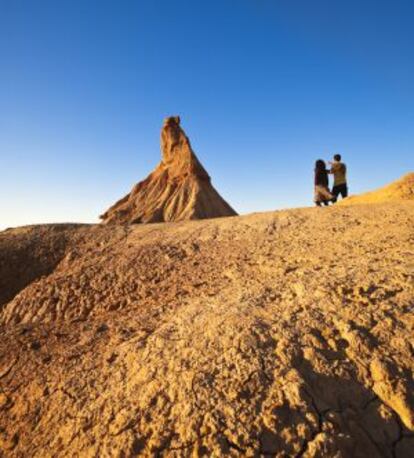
263 87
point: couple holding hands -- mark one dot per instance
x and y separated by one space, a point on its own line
322 193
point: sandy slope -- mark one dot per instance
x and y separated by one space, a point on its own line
284 334
397 191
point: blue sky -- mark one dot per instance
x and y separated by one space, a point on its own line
263 87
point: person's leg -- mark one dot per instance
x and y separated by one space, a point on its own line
326 203
341 190
335 193
318 204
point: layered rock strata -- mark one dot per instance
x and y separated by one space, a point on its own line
178 189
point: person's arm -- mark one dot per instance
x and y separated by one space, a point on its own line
332 169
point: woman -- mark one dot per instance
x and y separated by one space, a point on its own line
322 194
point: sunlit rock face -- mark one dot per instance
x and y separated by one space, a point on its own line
178 189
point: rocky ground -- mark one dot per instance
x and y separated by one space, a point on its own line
280 334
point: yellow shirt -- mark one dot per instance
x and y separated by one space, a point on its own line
339 172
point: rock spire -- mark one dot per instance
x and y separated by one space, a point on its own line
178 189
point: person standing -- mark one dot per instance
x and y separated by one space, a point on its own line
322 194
338 170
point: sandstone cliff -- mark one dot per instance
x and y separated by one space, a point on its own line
178 189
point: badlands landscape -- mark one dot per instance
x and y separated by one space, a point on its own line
287 334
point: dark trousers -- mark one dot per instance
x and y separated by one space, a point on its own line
341 189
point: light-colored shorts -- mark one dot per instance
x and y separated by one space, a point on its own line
322 194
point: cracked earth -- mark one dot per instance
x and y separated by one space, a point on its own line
277 334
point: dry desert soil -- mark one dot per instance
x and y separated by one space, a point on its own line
282 334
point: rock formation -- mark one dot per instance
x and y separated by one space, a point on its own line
402 189
229 337
178 189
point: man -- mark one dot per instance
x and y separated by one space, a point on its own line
338 170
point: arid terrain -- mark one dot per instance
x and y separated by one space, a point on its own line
397 191
288 333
